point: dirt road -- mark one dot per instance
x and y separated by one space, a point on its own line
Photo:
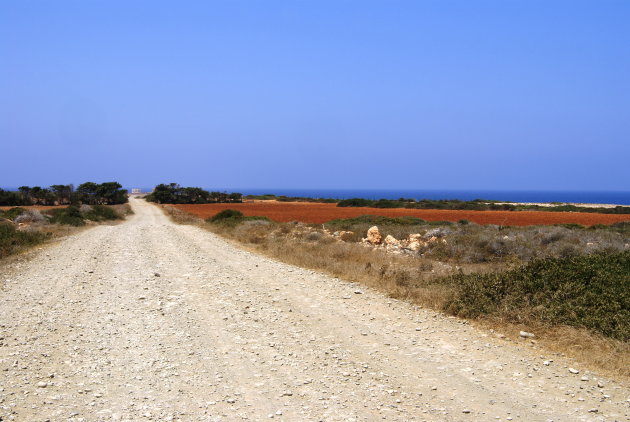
149 320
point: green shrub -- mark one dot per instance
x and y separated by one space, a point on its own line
440 223
70 216
375 220
621 227
570 226
355 202
590 291
12 213
224 215
100 213
386 203
12 240
233 218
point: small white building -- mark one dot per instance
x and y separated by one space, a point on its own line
135 191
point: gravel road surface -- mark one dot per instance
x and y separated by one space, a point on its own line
149 320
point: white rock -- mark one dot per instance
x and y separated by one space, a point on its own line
391 240
574 371
374 235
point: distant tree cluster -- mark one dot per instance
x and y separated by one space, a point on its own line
107 193
176 194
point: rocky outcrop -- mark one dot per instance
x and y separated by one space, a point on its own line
374 236
412 244
343 235
391 241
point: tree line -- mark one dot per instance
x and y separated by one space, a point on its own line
108 193
173 193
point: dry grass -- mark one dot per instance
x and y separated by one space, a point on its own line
122 209
415 279
610 357
179 216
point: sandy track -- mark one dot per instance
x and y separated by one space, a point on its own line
148 320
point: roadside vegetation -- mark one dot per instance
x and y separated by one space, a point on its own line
77 216
469 243
14 241
173 193
591 291
22 228
568 284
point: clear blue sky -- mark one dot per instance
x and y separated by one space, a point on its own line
317 94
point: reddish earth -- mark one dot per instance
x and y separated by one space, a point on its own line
320 213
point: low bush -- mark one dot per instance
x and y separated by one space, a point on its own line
224 215
100 213
355 202
12 213
375 220
622 227
233 218
31 216
70 215
590 292
13 241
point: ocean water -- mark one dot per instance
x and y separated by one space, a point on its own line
587 197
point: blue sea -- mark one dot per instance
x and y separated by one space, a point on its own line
587 197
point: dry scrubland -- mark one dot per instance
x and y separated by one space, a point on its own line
309 212
24 227
454 273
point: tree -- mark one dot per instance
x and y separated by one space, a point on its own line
111 193
106 193
63 193
86 192
175 194
163 194
235 197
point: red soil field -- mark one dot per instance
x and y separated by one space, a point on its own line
308 212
